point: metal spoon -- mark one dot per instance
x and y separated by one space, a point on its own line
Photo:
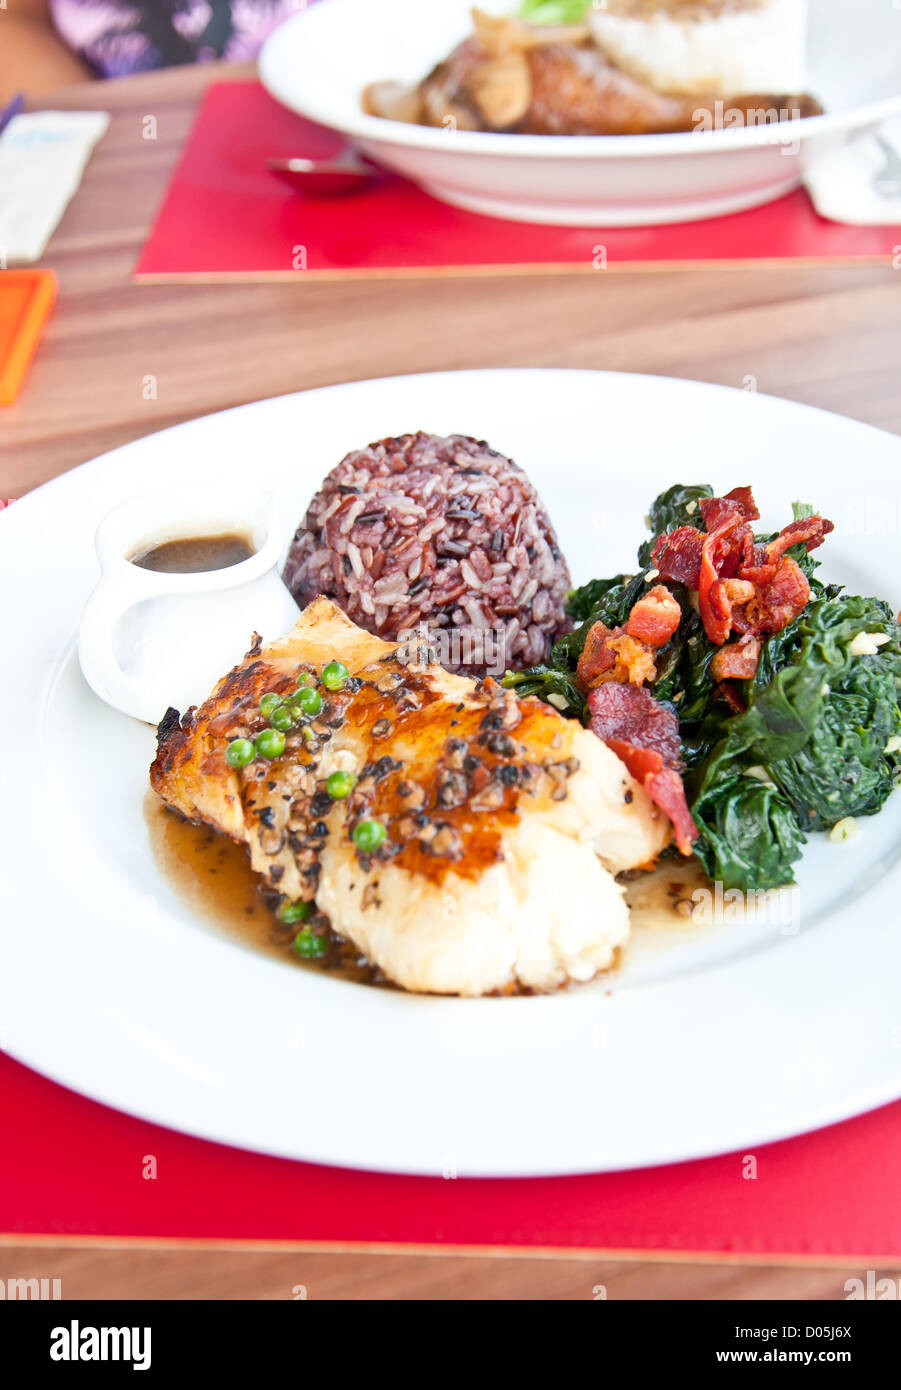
887 181
347 173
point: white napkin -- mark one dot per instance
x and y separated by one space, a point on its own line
840 181
43 155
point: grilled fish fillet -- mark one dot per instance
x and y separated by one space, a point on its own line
505 822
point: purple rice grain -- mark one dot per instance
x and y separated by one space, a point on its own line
442 532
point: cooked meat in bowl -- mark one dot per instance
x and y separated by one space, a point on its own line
629 68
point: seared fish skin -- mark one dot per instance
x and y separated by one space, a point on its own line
505 822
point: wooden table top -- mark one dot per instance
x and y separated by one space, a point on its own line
827 336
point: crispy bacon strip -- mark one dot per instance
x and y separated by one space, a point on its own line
645 736
738 591
655 617
663 785
737 503
632 714
718 561
597 658
614 655
677 556
745 499
729 691
738 661
812 530
778 599
727 528
634 659
713 601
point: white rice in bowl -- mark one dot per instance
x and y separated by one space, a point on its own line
717 48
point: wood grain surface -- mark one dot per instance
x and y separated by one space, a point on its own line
114 1271
828 336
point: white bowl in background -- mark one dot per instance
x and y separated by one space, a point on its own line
318 62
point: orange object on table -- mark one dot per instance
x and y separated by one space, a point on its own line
26 298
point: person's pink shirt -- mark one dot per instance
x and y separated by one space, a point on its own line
117 37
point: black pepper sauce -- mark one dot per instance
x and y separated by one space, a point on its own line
194 554
212 875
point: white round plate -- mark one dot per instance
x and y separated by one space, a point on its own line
738 1035
318 63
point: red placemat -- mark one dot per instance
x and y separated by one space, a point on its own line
72 1168
225 216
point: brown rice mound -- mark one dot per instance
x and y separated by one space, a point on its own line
443 536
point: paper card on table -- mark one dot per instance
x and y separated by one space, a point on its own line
43 155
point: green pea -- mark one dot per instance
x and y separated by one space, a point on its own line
309 946
270 744
368 835
240 752
282 718
335 675
309 701
305 679
289 912
269 702
340 784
